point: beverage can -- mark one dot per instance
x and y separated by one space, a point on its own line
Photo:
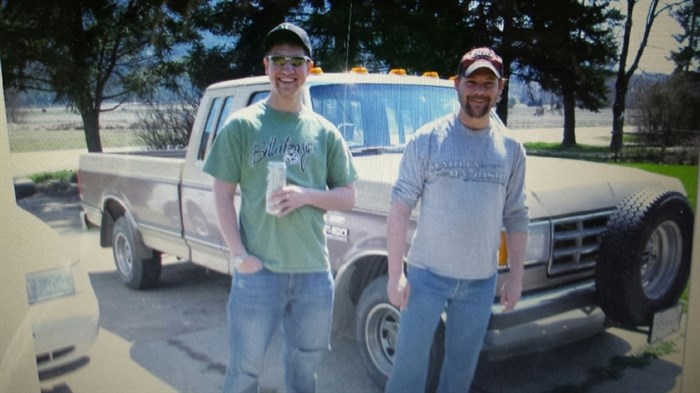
276 179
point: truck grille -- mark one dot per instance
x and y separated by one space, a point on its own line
575 242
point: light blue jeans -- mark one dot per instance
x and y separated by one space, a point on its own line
467 304
258 303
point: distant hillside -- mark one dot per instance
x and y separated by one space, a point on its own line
519 93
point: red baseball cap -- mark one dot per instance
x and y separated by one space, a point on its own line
480 58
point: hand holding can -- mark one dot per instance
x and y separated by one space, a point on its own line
276 179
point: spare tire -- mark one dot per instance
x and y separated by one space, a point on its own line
644 261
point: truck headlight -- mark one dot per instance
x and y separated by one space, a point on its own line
538 245
50 284
539 240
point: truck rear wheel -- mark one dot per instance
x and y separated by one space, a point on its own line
138 266
644 261
377 332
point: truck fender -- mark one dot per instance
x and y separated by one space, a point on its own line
350 280
112 209
362 268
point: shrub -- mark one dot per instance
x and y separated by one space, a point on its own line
169 125
667 111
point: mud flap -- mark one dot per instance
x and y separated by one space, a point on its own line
665 323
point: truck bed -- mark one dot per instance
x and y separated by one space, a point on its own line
146 184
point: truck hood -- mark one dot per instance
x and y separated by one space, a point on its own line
555 186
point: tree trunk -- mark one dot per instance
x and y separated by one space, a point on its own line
624 75
91 126
506 47
618 110
502 105
569 118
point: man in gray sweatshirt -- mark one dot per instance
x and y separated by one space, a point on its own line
470 180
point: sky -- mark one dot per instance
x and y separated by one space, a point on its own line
661 41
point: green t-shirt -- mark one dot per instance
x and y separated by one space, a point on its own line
316 156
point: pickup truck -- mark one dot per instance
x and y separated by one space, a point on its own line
607 243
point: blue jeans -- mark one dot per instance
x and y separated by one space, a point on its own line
258 303
467 304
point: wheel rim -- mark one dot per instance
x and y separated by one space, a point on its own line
662 259
122 253
381 332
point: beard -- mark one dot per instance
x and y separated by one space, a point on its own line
477 110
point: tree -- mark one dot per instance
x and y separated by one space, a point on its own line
356 32
512 21
340 30
431 35
205 65
666 115
567 47
90 53
688 16
244 25
624 74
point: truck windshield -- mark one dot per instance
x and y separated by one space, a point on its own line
376 117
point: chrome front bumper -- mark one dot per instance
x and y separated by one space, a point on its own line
543 321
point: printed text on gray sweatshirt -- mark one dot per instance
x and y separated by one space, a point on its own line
470 184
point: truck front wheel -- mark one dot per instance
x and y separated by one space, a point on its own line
377 327
137 265
644 260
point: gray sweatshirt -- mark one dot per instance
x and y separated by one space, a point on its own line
470 184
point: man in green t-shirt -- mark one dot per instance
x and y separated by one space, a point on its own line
282 273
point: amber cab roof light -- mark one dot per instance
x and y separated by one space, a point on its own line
393 71
359 70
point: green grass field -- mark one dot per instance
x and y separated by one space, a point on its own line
687 174
57 128
44 140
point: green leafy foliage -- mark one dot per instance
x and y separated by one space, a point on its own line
60 176
90 54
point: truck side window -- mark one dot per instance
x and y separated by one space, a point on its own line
212 119
258 96
228 104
